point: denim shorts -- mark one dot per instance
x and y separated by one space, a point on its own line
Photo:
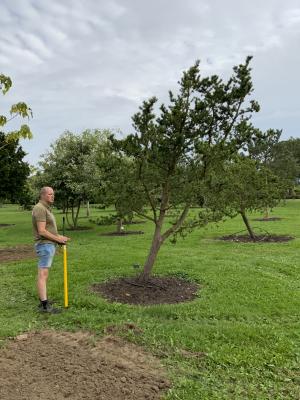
45 253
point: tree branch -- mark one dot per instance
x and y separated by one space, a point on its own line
145 216
178 224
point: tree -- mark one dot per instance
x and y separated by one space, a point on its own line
14 171
206 123
20 109
69 167
244 186
117 185
286 160
265 149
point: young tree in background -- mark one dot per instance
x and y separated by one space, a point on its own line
265 149
174 147
244 186
69 167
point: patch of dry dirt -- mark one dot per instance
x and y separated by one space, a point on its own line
158 290
17 253
60 365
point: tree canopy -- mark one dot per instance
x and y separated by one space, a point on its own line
69 167
174 146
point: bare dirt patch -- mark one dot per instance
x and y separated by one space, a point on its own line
17 253
124 233
258 238
158 290
59 365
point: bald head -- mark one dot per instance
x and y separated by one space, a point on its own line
47 194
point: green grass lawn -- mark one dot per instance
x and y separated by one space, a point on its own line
245 318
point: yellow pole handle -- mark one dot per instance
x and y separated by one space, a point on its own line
66 297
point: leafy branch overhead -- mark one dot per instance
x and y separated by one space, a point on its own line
19 109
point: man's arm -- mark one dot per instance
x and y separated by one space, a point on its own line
41 227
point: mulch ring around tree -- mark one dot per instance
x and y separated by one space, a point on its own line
259 238
267 219
80 228
17 253
124 233
6 225
58 365
158 290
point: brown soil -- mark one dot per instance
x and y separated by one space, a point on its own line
58 365
17 253
259 238
158 290
4 225
124 233
268 219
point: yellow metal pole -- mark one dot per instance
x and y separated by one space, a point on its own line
66 295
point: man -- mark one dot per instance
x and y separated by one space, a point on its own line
46 239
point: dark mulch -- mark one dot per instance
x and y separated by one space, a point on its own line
4 225
268 219
158 290
259 238
80 228
17 253
124 233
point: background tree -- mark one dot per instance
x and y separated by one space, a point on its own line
268 152
118 186
286 160
206 123
244 186
14 171
69 167
20 109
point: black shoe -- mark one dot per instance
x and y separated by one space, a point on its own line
49 309
50 301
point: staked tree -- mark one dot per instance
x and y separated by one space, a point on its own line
174 147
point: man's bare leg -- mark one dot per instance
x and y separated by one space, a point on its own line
42 283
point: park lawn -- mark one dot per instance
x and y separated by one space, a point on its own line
239 339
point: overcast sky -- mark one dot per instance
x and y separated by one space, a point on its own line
90 63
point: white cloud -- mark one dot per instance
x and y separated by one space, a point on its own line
87 63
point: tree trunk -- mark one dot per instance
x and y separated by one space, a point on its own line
248 226
120 225
267 215
154 249
88 208
75 217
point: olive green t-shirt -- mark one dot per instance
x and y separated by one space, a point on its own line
42 213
